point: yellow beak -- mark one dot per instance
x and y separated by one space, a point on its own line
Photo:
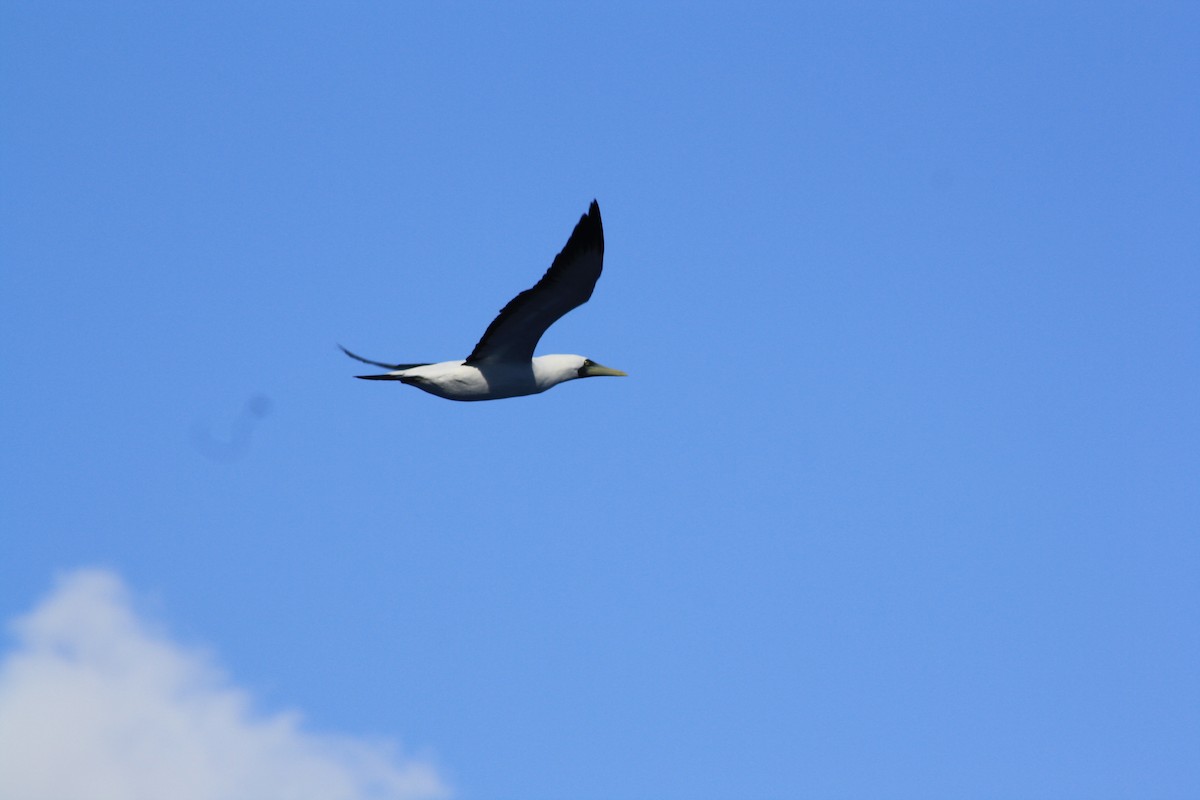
596 370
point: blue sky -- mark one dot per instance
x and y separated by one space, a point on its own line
901 498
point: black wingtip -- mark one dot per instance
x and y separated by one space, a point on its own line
588 234
383 364
357 357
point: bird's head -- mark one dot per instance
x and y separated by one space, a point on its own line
552 370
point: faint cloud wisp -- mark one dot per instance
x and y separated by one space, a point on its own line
237 442
95 704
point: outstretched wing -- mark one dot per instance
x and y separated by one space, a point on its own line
380 363
568 283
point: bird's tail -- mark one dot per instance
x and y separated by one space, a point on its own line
391 376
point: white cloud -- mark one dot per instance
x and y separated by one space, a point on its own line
95 704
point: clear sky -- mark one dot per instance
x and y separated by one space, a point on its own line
901 498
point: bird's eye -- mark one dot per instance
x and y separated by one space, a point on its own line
587 362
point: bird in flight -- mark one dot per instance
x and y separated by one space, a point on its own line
503 364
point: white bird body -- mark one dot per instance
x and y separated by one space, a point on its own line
502 364
458 380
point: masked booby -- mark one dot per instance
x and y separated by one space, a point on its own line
502 363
